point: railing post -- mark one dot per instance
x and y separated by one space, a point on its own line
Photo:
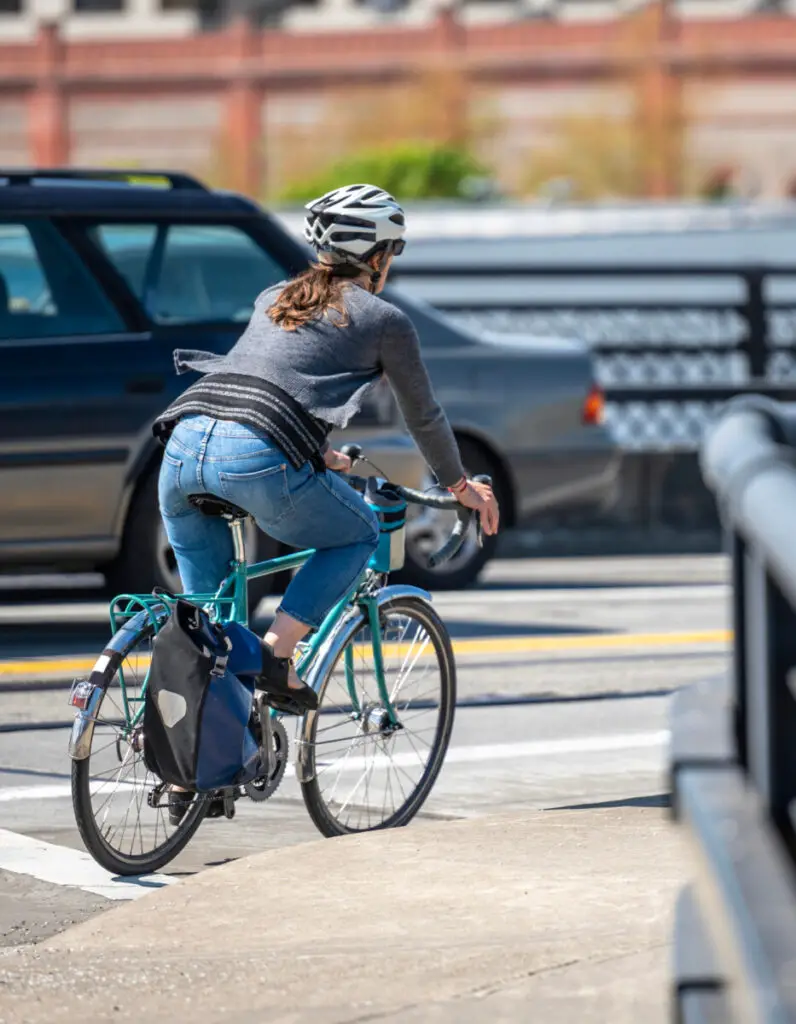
738 554
757 669
782 711
757 343
770 710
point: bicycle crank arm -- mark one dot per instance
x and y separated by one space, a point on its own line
267 733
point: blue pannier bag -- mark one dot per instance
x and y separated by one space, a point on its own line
246 652
197 713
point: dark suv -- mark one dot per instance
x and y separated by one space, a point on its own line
101 277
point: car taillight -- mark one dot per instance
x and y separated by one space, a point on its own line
594 407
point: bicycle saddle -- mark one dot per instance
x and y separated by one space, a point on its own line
211 505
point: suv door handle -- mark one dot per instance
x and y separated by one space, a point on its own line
145 385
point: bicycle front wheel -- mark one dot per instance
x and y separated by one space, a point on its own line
121 808
361 772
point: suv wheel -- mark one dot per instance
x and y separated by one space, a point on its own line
427 530
147 560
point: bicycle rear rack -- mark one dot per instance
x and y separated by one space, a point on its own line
154 609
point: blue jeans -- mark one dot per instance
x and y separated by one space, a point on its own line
301 507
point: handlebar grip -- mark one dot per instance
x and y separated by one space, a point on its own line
428 498
353 451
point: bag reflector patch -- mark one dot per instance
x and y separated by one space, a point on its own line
172 707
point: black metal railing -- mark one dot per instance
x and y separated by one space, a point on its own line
734 743
667 366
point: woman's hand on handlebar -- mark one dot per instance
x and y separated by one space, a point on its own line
337 461
481 497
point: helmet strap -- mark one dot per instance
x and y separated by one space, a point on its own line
375 275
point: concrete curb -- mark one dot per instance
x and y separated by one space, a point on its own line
552 916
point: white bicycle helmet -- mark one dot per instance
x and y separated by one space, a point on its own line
351 223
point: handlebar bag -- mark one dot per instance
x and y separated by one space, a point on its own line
197 714
390 509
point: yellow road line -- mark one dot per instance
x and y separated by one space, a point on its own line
49 667
595 641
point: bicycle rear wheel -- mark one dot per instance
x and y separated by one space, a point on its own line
120 806
361 774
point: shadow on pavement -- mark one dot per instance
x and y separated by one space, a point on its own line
37 772
658 800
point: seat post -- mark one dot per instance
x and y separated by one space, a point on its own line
238 542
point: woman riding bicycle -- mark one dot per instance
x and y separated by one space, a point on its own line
253 430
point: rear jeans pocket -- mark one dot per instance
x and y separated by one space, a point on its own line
263 493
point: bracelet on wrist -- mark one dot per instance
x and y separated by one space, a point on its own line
459 486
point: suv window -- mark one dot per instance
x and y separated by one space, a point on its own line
45 290
190 273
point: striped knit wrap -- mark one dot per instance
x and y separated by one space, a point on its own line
255 402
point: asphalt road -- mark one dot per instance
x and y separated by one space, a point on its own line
565 666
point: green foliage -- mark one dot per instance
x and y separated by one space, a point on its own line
409 170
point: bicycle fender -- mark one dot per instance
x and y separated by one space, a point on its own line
83 727
401 590
103 672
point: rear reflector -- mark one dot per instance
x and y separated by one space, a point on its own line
81 693
594 407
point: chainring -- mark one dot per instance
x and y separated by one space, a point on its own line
262 788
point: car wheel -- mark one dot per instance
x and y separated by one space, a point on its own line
428 529
147 560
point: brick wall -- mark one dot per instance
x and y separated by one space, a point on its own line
251 108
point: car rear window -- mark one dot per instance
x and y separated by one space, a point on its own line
185 273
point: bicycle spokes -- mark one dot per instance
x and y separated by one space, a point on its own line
122 806
369 765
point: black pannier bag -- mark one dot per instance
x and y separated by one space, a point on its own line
197 714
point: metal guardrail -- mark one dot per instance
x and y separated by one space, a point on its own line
668 363
734 744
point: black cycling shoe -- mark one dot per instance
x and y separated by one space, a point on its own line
273 681
179 805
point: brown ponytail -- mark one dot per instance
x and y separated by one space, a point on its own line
311 295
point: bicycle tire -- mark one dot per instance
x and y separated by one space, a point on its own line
113 860
325 821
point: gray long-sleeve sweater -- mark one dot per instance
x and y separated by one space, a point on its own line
330 369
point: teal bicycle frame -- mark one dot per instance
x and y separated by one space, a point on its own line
230 603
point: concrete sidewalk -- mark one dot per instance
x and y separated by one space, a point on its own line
554 916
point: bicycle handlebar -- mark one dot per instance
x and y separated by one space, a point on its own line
431 499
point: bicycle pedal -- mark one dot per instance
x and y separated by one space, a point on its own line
222 806
284 705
